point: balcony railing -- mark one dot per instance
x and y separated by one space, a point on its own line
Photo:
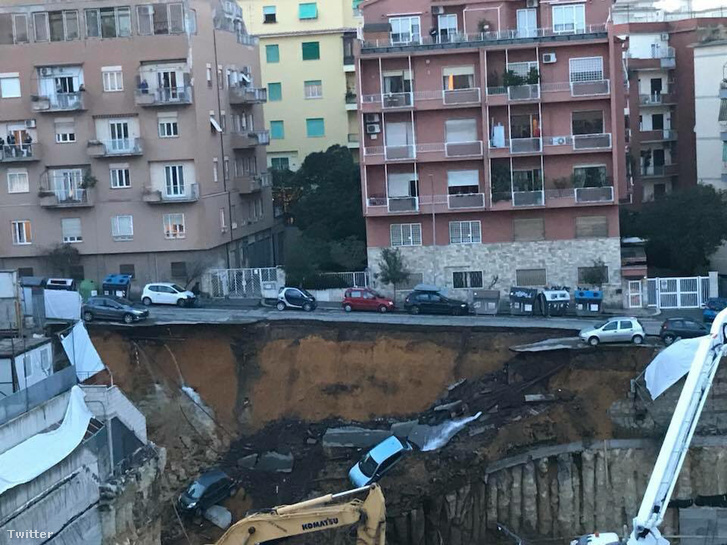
658 135
463 149
461 96
528 198
590 88
397 100
164 96
393 153
466 200
523 92
59 102
190 193
19 153
659 170
403 204
247 95
115 148
262 136
657 98
594 194
68 197
354 140
591 141
526 145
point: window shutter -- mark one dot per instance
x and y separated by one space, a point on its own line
530 277
591 226
528 229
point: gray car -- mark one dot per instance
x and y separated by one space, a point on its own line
614 330
107 307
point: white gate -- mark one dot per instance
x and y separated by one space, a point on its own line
678 292
635 294
241 283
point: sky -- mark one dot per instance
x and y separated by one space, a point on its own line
696 5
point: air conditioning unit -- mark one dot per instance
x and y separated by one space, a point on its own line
560 140
665 37
371 118
45 71
30 123
437 10
531 3
373 129
548 58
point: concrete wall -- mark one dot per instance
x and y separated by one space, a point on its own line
33 422
111 402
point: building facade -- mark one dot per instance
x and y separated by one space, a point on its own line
493 141
307 61
133 132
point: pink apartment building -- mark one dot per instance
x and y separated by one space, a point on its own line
493 140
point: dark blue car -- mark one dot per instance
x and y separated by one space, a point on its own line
712 307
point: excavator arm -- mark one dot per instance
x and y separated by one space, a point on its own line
314 516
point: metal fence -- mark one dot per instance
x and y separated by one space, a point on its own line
240 283
40 392
678 292
356 279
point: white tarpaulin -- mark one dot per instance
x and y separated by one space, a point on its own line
81 352
24 462
670 365
65 305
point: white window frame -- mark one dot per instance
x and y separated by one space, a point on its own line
71 239
11 76
458 234
18 174
406 26
65 137
405 234
15 224
180 190
576 23
113 79
40 20
120 176
318 89
595 74
168 127
17 16
116 233
168 222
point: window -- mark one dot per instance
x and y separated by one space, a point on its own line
467 279
215 169
168 126
277 130
122 227
20 29
269 14
179 269
405 29
127 268
113 79
272 53
160 19
145 20
465 232
315 127
463 182
280 163
10 85
275 92
22 233
18 181
120 176
569 18
226 167
71 229
223 221
308 10
174 180
40 23
460 130
591 226
63 25
397 81
406 234
459 77
590 176
311 51
528 229
589 122
586 69
108 22
530 277
65 130
174 226
587 274
93 23
313 88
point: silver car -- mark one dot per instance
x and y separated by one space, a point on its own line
614 330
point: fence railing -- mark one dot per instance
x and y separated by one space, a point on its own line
24 400
352 279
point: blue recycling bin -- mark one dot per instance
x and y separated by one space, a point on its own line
588 302
117 284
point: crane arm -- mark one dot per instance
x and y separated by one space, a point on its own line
679 436
313 516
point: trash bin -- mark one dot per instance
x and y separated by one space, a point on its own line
588 302
523 301
87 289
486 301
554 302
117 284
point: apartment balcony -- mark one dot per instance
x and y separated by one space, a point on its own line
403 204
380 205
582 142
247 183
463 149
397 101
659 59
354 141
400 153
594 194
660 135
466 201
190 193
526 145
659 171
351 102
59 102
422 100
590 88
249 139
523 92
21 153
528 198
426 152
241 95
163 96
70 197
124 147
454 97
658 99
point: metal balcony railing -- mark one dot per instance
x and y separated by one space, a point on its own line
528 198
463 149
594 194
393 153
461 96
590 88
526 145
18 153
247 95
187 193
397 100
591 141
524 92
403 204
58 102
659 170
164 96
115 147
466 200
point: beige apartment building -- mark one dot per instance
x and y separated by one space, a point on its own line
134 132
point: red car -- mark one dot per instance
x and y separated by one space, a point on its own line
366 299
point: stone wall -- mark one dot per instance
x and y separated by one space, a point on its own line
560 259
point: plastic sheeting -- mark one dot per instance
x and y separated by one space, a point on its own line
81 352
64 305
24 462
670 365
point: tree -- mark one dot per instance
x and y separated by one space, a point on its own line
61 258
349 253
683 229
300 261
195 270
392 267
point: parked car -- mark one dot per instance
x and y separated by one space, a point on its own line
209 489
430 300
378 461
712 307
613 330
681 328
108 307
166 293
366 299
296 298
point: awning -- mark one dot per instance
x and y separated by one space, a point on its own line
215 125
722 110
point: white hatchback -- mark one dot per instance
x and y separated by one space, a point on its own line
166 293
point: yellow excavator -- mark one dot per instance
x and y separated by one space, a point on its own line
324 513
